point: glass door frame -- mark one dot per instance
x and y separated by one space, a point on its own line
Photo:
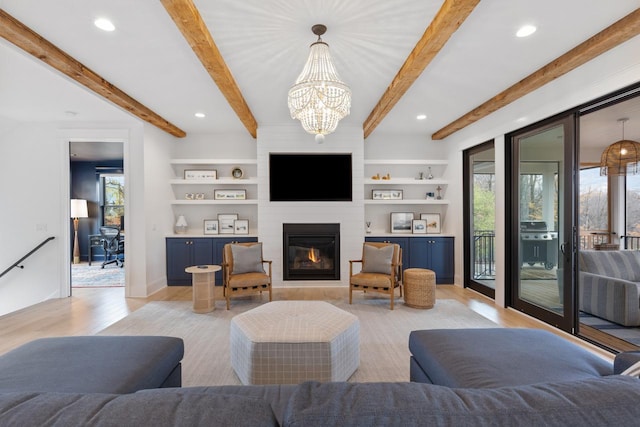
467 186
567 241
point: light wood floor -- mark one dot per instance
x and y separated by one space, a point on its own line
90 310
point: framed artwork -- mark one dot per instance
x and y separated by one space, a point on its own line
230 194
211 226
419 226
386 194
241 226
226 223
433 222
200 174
401 222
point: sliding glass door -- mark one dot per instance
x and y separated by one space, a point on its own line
479 218
541 221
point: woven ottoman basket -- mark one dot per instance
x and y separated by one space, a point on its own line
419 288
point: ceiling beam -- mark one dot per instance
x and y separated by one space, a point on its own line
188 20
612 36
446 22
26 39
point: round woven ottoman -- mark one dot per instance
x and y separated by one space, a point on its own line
419 288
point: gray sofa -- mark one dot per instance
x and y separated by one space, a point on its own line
609 285
590 399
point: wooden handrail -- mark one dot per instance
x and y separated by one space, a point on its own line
17 263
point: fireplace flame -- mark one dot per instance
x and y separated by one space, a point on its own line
314 255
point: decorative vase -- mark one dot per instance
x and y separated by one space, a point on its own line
368 223
181 225
429 175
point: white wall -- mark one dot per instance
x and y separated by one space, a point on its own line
271 215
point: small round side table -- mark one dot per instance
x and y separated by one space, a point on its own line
419 288
203 279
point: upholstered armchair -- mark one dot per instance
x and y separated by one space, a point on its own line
381 270
243 270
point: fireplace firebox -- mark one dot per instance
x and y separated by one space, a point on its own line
311 251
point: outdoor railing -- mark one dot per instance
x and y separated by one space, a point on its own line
484 254
631 243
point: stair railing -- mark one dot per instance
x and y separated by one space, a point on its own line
17 263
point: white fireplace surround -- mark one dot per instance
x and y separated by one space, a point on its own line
271 215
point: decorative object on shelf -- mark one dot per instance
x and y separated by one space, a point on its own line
401 222
386 194
200 174
319 98
387 176
211 226
430 195
181 225
621 157
199 196
226 223
189 196
420 176
241 226
230 194
419 226
368 224
429 174
78 210
433 222
439 189
237 173
376 176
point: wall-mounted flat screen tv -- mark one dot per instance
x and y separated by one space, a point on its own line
310 177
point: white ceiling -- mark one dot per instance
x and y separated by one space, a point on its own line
265 44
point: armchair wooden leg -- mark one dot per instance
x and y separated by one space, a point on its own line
350 295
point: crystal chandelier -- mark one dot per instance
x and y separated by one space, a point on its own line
622 157
319 98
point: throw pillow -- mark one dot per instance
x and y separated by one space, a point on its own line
247 259
377 260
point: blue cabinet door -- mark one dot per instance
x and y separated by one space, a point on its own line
433 253
179 255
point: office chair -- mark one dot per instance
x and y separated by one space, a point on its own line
113 246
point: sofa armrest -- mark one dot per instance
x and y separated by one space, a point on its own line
624 360
613 299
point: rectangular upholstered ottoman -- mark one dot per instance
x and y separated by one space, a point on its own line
289 342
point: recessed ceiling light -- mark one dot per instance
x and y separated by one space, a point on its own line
421 116
526 30
200 115
104 24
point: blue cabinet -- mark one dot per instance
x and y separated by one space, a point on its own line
433 253
184 252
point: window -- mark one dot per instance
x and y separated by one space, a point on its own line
632 212
594 208
112 188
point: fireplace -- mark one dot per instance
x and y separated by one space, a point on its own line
311 251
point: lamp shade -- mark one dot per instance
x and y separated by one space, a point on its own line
79 208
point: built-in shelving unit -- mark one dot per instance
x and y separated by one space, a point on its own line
195 198
403 185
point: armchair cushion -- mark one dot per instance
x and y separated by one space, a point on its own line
377 260
247 259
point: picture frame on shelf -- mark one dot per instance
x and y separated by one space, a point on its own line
211 226
241 226
192 174
386 194
226 223
401 222
419 226
230 194
433 222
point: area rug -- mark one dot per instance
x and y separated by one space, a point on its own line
384 335
84 275
626 333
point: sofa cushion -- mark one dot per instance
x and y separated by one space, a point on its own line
595 401
617 264
497 357
91 364
158 408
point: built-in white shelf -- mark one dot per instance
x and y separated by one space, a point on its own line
215 202
405 181
219 181
405 162
407 202
213 162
